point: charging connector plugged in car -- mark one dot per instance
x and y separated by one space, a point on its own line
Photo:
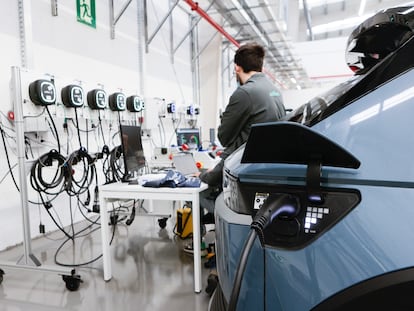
284 205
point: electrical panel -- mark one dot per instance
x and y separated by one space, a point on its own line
171 108
135 103
72 96
42 92
96 99
95 104
117 101
190 110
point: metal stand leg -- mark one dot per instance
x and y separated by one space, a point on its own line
29 261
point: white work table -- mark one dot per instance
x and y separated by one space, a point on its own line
124 191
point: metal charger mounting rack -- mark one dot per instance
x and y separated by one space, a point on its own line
28 261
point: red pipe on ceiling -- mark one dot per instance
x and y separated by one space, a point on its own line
194 6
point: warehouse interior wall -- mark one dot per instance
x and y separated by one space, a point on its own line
210 82
66 49
61 47
325 63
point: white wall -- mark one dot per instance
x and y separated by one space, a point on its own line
70 51
324 59
295 98
210 88
324 62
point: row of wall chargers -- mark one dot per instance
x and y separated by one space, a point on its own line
111 104
92 100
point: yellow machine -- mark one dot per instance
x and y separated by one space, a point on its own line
184 225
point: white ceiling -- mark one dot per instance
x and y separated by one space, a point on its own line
334 18
278 24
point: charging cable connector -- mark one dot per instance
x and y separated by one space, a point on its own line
274 206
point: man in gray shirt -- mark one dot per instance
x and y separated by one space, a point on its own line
256 100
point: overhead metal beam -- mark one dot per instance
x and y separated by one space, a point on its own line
25 33
308 20
195 23
200 51
186 35
114 19
194 6
195 66
54 7
247 14
141 20
123 9
164 19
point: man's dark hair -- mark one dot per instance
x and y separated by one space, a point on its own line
250 57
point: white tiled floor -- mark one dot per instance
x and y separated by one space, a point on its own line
150 272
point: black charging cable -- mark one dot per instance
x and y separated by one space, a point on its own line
115 170
101 127
54 129
131 218
274 206
3 134
75 186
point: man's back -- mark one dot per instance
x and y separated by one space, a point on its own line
256 101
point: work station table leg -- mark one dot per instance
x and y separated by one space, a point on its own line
197 243
106 252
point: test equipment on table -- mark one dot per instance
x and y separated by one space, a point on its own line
189 137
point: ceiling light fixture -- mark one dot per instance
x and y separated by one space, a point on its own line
339 25
316 3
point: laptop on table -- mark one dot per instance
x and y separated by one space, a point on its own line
185 164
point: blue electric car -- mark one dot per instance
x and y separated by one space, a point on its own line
328 192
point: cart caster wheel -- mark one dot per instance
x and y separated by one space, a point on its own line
72 281
162 222
1 276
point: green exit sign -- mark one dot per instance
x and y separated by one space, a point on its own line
85 11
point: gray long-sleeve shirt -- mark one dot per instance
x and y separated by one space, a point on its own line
256 101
